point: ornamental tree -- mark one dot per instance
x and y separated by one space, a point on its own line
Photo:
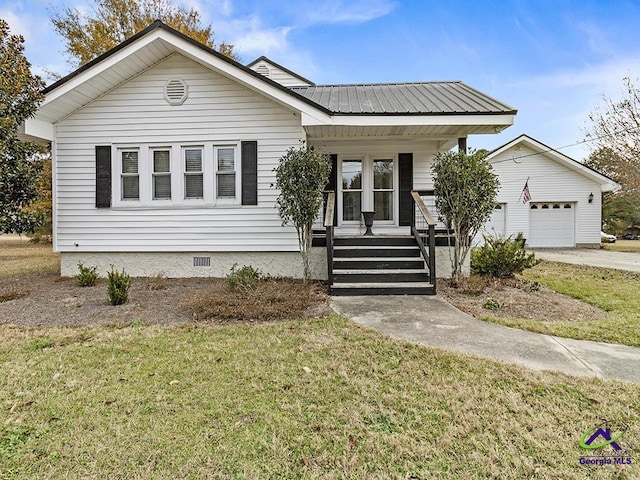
465 188
20 164
91 32
301 178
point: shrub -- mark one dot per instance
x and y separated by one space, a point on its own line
118 286
86 276
243 278
492 304
501 257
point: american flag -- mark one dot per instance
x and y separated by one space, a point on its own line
526 194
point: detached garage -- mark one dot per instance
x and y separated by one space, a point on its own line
563 206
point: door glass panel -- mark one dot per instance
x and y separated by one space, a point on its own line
383 174
352 174
383 205
351 189
351 206
383 189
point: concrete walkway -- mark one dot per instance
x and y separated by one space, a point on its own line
432 321
591 256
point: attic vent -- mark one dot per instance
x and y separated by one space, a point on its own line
263 70
201 261
176 91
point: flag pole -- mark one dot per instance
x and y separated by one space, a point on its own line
525 185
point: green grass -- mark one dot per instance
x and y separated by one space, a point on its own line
237 402
615 291
632 246
22 258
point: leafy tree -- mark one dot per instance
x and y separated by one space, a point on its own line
301 177
465 188
620 209
20 96
111 22
615 133
616 124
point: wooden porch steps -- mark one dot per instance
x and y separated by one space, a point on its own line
379 265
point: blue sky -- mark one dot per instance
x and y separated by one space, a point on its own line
552 60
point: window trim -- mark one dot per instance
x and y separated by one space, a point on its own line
237 198
155 174
177 174
120 159
185 174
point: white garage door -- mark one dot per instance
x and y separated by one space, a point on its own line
552 225
495 226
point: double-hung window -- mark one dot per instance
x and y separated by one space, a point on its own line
193 173
225 161
161 174
129 173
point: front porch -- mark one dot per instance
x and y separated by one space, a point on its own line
394 261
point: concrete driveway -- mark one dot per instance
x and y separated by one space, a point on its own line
591 256
432 321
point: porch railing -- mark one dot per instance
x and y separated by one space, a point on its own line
423 228
328 225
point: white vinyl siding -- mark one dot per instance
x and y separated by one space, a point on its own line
278 75
216 112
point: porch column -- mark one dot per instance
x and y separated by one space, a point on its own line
462 144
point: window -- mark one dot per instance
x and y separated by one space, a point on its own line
161 174
225 158
193 175
130 176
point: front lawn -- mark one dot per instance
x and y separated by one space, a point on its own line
614 291
19 257
303 399
631 246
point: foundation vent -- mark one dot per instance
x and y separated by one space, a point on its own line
176 91
201 261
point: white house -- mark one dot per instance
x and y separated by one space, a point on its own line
565 205
164 150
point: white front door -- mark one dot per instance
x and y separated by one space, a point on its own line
368 184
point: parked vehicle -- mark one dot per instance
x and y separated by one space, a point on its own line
607 238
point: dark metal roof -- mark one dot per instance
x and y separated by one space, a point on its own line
425 98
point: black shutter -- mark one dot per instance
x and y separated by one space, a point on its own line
103 176
405 167
332 184
249 173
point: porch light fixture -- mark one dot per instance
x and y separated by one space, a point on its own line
591 198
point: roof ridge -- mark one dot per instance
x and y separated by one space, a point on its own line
431 82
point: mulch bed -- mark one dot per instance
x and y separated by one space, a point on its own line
515 298
45 300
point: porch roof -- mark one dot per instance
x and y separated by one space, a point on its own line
424 98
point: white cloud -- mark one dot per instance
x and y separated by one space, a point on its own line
339 11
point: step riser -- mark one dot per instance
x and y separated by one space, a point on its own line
353 292
374 241
378 264
379 278
376 252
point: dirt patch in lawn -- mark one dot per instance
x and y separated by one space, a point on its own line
42 300
515 298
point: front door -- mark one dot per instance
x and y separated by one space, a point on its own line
368 184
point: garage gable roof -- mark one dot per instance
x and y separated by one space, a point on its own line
606 184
